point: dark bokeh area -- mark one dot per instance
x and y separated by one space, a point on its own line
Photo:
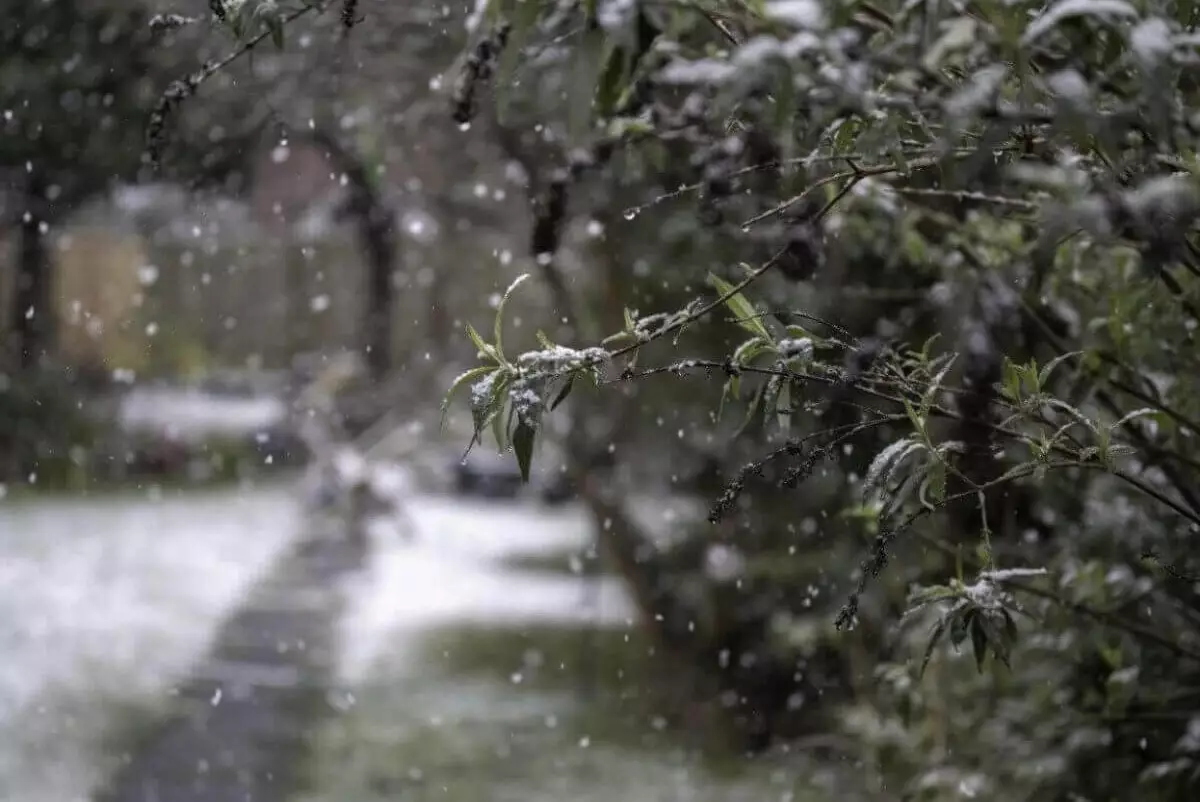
599 400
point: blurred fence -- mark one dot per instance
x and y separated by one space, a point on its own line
173 306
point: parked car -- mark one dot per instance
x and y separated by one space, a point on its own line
488 474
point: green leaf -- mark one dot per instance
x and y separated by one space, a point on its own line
485 411
1132 416
563 393
771 398
798 332
236 18
923 597
927 347
459 381
484 347
917 420
1011 388
726 393
1079 417
612 79
902 493
1115 11
997 641
499 325
935 483
1010 627
979 641
939 629
621 69
1045 372
266 15
522 441
959 627
783 406
743 311
846 134
756 402
747 352
958 34
887 461
930 394
619 337
896 152
502 425
1111 655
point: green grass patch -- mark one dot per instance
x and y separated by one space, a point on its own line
532 713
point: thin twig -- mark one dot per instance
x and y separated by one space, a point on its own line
800 161
852 176
182 89
967 196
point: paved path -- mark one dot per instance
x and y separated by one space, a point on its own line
238 728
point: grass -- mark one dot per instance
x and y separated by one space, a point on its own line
230 469
533 714
566 561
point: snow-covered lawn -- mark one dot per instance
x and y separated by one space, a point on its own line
104 603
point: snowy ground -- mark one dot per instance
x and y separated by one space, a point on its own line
457 675
103 604
193 414
463 679
106 603
453 573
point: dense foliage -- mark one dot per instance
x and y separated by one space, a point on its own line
953 301
1011 189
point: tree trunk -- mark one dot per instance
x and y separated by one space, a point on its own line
298 314
32 314
377 235
379 244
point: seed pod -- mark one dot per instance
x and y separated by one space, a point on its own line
603 150
760 148
709 214
803 252
549 214
731 147
579 161
478 67
717 182
694 108
349 13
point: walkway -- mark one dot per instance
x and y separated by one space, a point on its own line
238 730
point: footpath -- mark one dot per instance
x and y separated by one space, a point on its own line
237 729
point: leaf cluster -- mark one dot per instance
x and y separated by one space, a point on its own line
510 396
